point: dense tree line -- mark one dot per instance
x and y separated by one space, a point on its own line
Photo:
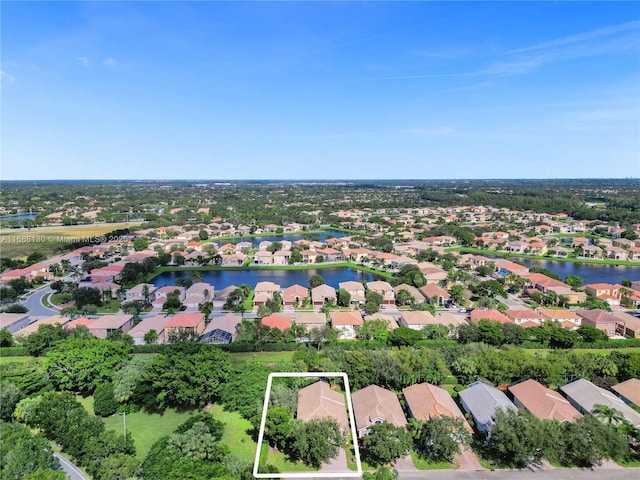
62 419
518 439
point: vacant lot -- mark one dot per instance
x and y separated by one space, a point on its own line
18 243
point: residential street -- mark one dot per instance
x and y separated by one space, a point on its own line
70 469
614 473
35 306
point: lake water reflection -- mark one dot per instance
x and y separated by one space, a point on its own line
285 278
590 273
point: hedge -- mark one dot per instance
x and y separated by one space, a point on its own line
13 352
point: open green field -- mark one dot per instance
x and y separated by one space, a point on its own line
21 360
19 243
147 428
265 358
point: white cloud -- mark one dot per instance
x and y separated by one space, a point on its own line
84 61
435 132
579 37
7 77
110 63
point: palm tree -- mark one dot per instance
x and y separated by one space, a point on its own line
608 414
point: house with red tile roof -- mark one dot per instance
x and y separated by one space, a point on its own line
566 318
385 289
311 320
542 402
294 295
107 324
416 295
434 293
525 318
156 323
85 322
323 294
33 327
416 319
602 290
318 401
373 405
275 320
628 391
490 314
264 291
356 290
347 323
605 321
425 401
193 323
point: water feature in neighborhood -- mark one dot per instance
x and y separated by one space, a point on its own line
589 272
21 216
223 278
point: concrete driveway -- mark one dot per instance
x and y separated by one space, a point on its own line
468 460
337 464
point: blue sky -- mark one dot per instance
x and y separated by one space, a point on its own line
320 90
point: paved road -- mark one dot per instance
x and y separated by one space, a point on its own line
551 474
513 302
70 469
35 306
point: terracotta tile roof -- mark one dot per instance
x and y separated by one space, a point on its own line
346 318
274 320
318 401
629 389
427 401
376 403
185 320
543 402
490 314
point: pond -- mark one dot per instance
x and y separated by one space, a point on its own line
589 272
21 216
285 278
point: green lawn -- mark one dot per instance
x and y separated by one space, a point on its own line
21 360
146 428
262 357
111 306
633 463
235 433
278 460
423 464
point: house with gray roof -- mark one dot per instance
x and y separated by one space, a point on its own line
584 395
221 330
481 401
